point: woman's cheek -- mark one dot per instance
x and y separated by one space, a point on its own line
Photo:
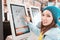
49 20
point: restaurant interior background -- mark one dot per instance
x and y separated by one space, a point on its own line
39 3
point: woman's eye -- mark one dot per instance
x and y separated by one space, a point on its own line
42 14
48 15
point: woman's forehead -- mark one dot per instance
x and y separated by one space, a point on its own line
47 12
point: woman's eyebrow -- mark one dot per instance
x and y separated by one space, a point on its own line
47 14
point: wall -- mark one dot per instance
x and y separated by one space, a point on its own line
1 25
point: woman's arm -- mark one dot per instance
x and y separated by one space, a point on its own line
33 28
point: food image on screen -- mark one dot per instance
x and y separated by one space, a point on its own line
18 13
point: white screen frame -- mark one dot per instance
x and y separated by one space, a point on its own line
12 25
39 12
13 13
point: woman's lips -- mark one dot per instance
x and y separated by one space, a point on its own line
44 22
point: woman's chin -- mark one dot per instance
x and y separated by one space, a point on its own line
45 24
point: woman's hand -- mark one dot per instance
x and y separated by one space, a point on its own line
27 19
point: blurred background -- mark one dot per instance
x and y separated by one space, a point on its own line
39 3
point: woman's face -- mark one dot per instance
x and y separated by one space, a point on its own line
47 18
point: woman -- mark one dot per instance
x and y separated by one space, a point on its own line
49 29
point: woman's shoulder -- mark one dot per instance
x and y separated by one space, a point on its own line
53 31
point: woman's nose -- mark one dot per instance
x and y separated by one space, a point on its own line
44 18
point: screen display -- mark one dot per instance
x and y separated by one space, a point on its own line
35 11
35 16
18 13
